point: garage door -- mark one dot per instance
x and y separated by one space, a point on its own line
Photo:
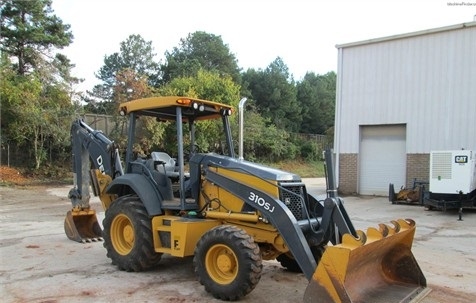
382 158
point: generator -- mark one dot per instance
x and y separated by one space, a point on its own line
452 180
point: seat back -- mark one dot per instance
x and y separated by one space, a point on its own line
168 162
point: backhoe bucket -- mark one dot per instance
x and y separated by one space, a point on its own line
377 267
82 226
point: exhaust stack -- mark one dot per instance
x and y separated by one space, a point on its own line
241 109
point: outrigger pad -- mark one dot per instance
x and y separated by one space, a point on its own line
376 267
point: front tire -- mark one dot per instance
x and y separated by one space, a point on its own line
227 262
128 235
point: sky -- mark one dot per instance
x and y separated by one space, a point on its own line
304 33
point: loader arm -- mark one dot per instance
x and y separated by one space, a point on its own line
276 212
334 218
377 266
334 210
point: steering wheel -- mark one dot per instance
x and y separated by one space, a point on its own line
189 151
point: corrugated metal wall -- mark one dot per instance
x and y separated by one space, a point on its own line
427 82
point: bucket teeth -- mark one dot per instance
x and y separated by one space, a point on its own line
90 240
374 234
396 226
383 229
376 266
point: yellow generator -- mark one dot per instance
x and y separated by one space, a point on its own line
229 214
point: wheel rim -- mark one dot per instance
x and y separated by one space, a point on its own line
122 234
221 264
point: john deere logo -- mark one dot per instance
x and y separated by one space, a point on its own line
461 159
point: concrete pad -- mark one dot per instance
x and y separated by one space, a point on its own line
39 264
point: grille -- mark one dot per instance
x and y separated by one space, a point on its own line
441 166
293 198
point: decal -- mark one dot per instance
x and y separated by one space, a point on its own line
261 202
100 164
461 159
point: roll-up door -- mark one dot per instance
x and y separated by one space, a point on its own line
382 158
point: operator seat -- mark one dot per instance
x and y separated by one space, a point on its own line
165 164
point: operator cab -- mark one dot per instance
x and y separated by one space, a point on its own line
168 173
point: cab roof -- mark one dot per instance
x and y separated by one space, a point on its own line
165 108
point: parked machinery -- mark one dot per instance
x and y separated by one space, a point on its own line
230 214
452 180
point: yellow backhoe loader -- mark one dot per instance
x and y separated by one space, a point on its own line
229 214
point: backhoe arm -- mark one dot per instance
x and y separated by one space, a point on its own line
90 148
95 162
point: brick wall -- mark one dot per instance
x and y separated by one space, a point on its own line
348 173
418 166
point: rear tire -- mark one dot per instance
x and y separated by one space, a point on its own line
128 235
227 262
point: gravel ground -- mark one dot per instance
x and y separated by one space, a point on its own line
39 264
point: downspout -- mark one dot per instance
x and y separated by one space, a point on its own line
241 109
338 113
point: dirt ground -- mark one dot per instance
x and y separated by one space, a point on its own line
39 264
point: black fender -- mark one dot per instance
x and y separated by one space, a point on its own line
143 187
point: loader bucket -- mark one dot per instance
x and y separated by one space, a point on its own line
82 226
377 267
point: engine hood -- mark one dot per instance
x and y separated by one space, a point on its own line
259 170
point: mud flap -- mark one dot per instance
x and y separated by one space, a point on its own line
377 267
82 226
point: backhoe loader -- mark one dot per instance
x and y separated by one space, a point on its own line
229 214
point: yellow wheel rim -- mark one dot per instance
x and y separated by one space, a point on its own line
122 234
221 264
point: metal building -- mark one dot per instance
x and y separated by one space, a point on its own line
398 98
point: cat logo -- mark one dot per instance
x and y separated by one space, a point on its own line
461 159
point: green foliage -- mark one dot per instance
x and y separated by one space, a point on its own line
274 92
316 93
34 114
202 66
134 53
36 91
123 72
210 86
35 87
200 51
263 141
204 85
311 151
303 168
29 30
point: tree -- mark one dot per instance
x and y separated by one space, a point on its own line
30 32
136 59
274 93
263 141
210 86
36 81
200 51
129 86
316 94
35 114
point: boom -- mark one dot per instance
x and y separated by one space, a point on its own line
94 157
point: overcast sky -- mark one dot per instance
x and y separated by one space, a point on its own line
303 33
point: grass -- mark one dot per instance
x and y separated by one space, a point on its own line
305 169
62 174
